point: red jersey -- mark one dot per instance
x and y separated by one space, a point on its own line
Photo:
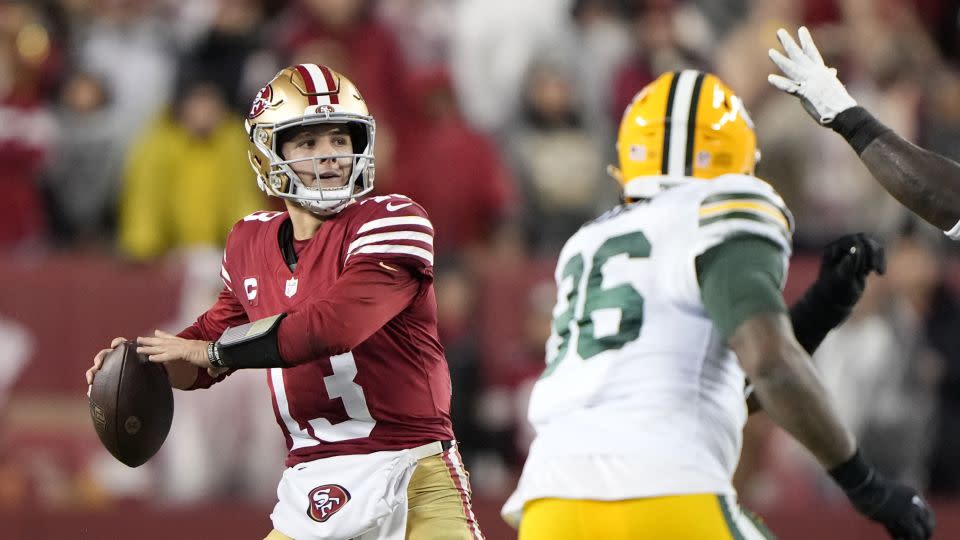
365 368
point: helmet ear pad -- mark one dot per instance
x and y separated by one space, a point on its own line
283 137
358 136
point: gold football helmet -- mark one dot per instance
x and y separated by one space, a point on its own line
301 95
684 124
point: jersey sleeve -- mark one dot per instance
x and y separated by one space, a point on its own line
739 279
365 297
721 210
396 231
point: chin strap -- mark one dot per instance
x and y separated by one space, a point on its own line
313 208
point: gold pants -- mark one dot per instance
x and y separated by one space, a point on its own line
438 501
681 517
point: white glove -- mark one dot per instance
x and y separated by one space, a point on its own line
817 86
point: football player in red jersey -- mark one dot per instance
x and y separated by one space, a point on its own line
334 300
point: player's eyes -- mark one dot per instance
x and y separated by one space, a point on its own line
340 141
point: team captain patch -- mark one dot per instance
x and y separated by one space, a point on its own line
326 501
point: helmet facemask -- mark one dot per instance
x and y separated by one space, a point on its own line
285 183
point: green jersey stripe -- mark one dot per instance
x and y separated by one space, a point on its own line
728 517
740 214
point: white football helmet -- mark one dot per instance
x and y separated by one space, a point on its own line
301 95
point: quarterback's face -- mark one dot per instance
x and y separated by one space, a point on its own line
320 141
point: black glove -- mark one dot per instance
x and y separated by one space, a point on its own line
844 267
897 507
845 264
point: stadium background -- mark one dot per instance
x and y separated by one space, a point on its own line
122 166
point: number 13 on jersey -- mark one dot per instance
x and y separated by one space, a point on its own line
598 309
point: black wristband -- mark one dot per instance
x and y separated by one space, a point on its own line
251 345
213 355
858 127
853 473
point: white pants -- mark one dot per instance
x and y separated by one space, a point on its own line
345 497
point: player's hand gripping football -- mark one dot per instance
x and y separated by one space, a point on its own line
98 361
904 513
845 265
164 347
807 77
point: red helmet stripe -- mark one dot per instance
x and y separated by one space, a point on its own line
331 85
308 80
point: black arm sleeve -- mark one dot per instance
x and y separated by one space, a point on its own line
925 182
858 127
815 314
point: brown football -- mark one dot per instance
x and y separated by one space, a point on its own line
131 405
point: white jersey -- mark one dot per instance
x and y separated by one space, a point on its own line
641 396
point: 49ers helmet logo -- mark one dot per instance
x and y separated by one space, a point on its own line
262 102
325 501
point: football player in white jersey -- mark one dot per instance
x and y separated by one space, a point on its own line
665 304
925 182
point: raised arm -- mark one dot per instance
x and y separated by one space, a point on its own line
925 182
740 287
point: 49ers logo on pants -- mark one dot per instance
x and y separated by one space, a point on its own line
326 501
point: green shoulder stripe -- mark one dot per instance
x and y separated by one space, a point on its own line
758 217
746 205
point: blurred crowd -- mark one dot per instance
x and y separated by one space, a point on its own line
121 136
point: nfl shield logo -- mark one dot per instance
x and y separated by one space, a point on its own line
291 288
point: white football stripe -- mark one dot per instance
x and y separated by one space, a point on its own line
399 235
454 455
319 83
387 248
224 274
682 100
392 221
298 437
